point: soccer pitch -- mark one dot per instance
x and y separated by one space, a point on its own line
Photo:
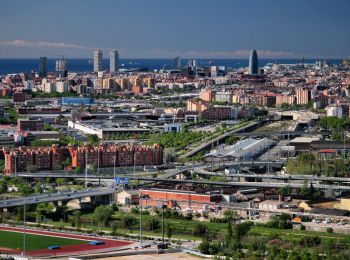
14 240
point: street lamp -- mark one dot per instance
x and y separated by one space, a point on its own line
142 196
163 207
24 227
86 169
114 170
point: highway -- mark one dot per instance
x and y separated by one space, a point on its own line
168 174
244 184
282 133
62 196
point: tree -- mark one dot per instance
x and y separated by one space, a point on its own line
284 191
60 181
200 230
102 215
241 229
169 155
128 221
304 191
3 186
77 218
204 247
38 187
169 231
25 189
67 162
230 214
114 227
78 170
48 127
93 139
153 224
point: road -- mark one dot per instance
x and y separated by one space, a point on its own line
62 196
245 184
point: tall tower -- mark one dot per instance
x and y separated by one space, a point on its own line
97 60
253 63
177 63
43 67
61 67
113 60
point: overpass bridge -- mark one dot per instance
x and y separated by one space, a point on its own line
283 133
245 184
62 196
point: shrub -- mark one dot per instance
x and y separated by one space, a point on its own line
329 230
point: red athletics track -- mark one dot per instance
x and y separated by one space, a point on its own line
109 244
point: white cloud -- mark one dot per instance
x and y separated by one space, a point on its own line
43 44
217 54
75 50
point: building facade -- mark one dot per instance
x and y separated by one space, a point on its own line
43 67
253 63
109 155
98 60
43 158
113 60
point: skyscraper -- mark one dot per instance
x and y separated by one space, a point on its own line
113 60
98 60
61 67
177 63
43 67
253 63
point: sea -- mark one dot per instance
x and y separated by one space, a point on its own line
9 66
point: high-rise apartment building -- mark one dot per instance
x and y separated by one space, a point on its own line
303 96
98 60
113 60
253 63
61 67
43 67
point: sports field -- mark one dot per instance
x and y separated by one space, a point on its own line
14 240
38 241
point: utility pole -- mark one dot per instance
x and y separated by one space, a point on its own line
163 206
140 219
24 228
85 169
114 170
98 159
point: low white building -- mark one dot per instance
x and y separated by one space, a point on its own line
243 150
172 128
334 111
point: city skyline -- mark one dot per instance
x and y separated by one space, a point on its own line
137 29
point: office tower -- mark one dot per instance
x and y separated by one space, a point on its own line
192 63
177 63
253 63
113 60
97 60
61 67
43 67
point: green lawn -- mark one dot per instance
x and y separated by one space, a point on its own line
14 240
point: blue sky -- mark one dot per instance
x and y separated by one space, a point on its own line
165 29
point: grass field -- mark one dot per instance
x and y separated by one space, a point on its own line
14 240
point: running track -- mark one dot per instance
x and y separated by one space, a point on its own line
109 244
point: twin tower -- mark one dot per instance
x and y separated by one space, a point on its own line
113 60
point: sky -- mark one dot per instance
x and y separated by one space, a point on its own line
167 28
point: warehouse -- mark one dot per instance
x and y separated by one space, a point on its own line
243 150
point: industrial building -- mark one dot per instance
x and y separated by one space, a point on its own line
243 150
